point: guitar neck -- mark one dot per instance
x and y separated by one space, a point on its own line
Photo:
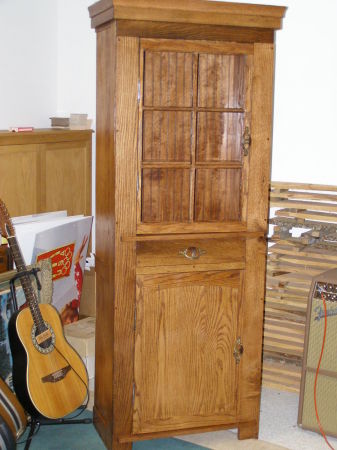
26 283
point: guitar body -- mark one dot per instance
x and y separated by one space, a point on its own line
49 376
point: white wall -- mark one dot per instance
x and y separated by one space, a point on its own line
76 71
28 69
49 52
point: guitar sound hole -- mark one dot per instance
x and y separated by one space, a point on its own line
46 343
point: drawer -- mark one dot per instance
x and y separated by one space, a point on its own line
229 253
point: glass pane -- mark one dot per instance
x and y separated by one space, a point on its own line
219 136
165 195
221 81
217 195
167 136
168 79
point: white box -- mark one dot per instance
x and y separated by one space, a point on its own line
81 336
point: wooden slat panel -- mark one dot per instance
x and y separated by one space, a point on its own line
307 205
301 195
292 262
167 136
221 81
168 79
219 136
165 195
217 195
306 186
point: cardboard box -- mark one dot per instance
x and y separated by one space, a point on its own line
88 297
81 336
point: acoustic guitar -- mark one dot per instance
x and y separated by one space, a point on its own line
49 377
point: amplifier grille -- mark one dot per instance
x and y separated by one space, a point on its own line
324 285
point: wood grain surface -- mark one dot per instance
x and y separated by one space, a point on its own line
188 11
52 400
45 171
174 108
200 310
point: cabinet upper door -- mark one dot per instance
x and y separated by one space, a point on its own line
195 103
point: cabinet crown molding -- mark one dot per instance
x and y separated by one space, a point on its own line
188 12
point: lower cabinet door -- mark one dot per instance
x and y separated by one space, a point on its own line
187 325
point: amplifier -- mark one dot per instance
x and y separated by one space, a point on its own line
324 285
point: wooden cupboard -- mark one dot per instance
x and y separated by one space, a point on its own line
184 107
46 170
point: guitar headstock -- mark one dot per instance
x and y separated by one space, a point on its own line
6 225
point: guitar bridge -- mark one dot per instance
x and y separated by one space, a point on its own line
56 376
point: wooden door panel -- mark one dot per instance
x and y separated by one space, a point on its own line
219 136
20 185
195 115
221 81
67 164
217 195
185 372
168 79
165 195
167 136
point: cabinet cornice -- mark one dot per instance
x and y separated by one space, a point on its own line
188 12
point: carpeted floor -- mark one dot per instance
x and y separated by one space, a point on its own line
84 437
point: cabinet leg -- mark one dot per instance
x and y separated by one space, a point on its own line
248 430
116 445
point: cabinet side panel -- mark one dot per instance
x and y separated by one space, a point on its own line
252 320
127 78
262 110
105 232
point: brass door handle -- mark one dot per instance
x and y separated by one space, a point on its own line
246 141
192 252
238 350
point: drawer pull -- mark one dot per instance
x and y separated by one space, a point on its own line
192 252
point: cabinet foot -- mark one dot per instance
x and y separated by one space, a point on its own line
248 430
116 445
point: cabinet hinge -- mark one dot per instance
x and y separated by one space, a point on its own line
238 350
138 94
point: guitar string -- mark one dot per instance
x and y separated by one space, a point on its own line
30 296
35 309
79 376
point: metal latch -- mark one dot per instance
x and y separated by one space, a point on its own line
246 141
238 350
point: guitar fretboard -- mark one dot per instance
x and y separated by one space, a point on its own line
26 284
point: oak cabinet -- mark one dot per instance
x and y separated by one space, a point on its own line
46 170
184 106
